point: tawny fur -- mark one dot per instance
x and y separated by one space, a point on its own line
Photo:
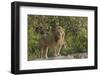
55 40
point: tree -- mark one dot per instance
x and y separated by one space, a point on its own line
75 29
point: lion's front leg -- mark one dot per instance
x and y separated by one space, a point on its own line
55 51
41 53
58 51
46 53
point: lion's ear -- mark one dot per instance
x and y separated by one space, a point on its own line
61 28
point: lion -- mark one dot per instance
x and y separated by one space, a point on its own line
54 39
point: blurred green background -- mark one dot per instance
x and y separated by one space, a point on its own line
75 30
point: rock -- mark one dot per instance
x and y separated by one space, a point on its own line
71 56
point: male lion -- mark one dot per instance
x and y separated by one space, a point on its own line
54 39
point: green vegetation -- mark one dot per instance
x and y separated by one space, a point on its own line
75 30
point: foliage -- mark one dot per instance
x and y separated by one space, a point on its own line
75 30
